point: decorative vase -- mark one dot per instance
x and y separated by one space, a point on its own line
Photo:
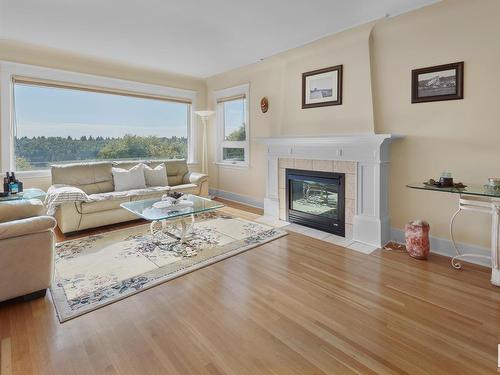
417 239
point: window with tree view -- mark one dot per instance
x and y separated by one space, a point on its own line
56 125
234 138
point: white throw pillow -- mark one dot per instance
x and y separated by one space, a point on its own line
156 176
129 179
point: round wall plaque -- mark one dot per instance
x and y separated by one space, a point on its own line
264 104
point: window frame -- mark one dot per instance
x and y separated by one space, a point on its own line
220 97
11 71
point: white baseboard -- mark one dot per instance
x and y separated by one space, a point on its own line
495 277
439 246
249 201
444 247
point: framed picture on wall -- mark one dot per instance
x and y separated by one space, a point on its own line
322 87
441 82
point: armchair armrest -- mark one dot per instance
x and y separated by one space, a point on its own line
21 209
194 178
30 225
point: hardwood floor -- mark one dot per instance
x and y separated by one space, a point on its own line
295 305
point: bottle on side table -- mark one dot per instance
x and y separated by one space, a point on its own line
11 185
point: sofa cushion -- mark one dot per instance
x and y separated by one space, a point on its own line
113 199
186 188
150 195
101 205
131 194
155 176
132 178
150 192
92 178
176 169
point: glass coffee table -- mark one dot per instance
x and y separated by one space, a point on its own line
164 221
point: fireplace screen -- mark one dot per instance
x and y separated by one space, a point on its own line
316 199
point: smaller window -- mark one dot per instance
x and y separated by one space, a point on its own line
232 115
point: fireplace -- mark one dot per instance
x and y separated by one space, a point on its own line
364 158
316 199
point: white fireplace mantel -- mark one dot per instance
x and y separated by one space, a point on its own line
369 151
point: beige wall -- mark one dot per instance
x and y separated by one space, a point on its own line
52 58
461 136
279 79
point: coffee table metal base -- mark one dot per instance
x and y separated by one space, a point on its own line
169 226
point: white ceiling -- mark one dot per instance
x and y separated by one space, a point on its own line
194 37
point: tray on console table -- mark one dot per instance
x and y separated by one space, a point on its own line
479 198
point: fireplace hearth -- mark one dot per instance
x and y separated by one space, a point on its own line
316 200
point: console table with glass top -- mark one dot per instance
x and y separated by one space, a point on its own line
480 199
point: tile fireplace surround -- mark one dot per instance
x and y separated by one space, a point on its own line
364 158
347 167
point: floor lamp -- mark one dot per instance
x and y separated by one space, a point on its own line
204 115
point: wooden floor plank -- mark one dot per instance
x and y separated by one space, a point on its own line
295 305
5 357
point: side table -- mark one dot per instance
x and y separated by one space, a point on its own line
480 199
33 193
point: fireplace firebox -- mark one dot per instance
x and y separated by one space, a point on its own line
316 199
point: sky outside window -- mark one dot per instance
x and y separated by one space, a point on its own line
47 111
234 119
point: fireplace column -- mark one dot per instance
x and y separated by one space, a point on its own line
372 222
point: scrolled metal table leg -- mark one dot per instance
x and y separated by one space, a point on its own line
484 207
495 256
454 262
183 232
152 227
186 228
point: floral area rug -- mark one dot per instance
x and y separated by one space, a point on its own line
97 270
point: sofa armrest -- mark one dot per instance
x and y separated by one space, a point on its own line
194 178
26 226
21 209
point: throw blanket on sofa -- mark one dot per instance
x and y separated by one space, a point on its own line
59 194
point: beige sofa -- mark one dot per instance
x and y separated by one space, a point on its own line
26 249
96 179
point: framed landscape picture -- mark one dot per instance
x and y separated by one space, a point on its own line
442 82
322 87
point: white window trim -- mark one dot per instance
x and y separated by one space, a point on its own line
227 93
9 70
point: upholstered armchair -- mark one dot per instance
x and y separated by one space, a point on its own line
26 249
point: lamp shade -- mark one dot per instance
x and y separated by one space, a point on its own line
206 113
